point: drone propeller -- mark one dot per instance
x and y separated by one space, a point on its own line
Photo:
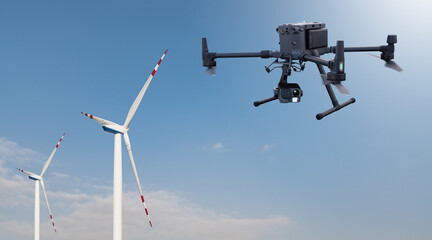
211 71
390 64
342 89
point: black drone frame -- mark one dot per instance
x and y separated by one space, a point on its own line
336 66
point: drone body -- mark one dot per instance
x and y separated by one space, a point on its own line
299 43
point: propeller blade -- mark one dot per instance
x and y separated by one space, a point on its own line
342 89
51 156
390 64
393 65
138 99
211 71
46 200
128 146
26 172
373 55
324 79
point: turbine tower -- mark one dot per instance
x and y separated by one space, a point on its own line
119 130
39 180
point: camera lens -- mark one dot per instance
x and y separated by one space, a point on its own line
285 93
296 92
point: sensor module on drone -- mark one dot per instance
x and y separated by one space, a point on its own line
300 43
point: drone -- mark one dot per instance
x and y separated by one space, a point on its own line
300 43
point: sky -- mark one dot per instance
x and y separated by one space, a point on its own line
212 166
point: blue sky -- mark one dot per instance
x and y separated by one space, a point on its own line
212 165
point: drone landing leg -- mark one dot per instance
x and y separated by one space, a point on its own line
257 103
336 105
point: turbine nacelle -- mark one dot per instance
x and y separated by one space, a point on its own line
31 175
114 128
35 178
107 126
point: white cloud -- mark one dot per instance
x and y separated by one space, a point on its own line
12 152
60 175
81 215
173 218
266 147
14 188
219 147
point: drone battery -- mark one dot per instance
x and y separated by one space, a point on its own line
316 38
299 37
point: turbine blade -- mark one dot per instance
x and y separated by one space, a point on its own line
46 200
99 120
138 99
26 172
128 146
51 156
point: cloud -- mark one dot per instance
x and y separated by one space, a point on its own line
14 187
87 215
266 147
173 218
12 152
60 175
219 147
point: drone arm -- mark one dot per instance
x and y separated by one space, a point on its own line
209 57
262 54
387 51
359 49
318 60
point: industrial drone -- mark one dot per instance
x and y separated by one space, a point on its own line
300 43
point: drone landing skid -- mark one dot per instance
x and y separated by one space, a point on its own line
320 116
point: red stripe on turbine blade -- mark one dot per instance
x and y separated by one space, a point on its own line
142 198
146 211
57 146
159 62
91 116
51 216
153 73
150 224
166 51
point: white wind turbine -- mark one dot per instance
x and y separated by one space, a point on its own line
118 130
39 179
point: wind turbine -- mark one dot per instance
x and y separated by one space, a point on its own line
119 130
39 179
